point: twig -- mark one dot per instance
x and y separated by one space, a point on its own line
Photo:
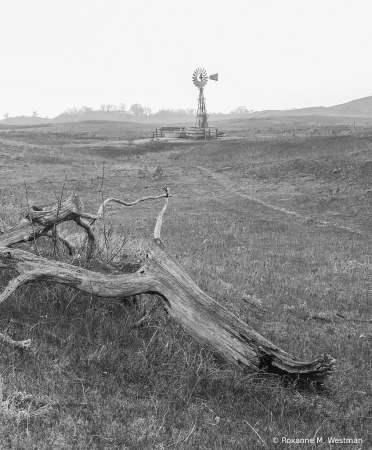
103 175
264 443
316 432
26 344
316 317
59 201
31 327
140 322
185 439
53 234
120 248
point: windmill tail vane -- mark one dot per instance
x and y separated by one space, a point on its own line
214 77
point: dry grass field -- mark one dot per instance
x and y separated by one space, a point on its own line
280 213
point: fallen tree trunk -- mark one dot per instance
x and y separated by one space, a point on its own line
200 316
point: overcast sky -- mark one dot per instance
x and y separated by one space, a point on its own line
270 54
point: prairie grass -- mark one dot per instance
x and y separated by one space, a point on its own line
93 382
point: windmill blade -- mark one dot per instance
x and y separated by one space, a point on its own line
214 77
200 77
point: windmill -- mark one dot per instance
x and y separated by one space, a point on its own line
200 79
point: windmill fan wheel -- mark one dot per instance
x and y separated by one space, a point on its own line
200 77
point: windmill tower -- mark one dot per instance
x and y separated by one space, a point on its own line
200 79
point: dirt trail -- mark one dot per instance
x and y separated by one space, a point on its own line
233 187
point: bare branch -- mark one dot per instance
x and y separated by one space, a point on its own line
122 202
159 220
39 220
91 247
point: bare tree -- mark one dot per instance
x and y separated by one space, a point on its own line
123 108
147 111
6 116
137 110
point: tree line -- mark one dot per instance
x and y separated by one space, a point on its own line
136 110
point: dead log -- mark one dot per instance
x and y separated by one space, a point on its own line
43 220
204 319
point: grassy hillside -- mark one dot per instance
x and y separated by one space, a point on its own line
281 219
361 107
